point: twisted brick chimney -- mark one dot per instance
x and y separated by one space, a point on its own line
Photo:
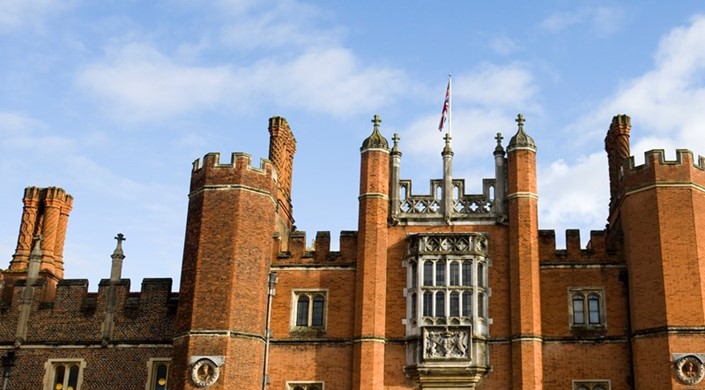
45 213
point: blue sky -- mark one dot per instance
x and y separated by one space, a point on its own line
113 100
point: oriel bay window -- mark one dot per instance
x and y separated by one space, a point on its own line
447 322
446 289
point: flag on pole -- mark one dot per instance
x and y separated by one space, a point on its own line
446 108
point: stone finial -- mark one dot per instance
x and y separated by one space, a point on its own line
447 149
118 248
499 150
521 139
395 147
375 140
118 256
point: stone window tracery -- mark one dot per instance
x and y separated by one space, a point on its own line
587 308
64 374
310 309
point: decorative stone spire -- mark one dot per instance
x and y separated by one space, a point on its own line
118 256
521 139
375 140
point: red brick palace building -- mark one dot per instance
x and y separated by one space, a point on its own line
437 289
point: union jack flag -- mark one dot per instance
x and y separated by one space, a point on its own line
446 107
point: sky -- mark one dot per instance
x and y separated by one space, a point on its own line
114 100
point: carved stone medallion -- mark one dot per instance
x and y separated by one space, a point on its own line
204 372
690 370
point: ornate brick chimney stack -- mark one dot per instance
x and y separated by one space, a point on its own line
617 148
282 147
45 213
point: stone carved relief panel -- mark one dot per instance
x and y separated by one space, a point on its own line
443 344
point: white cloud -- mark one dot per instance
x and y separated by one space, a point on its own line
139 83
18 13
327 80
666 101
503 45
577 192
510 86
603 21
665 104
283 23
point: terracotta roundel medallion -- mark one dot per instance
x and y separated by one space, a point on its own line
690 370
204 372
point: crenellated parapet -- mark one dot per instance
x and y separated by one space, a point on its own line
210 173
296 252
595 251
685 169
75 316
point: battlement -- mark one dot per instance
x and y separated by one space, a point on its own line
210 171
320 254
658 169
76 315
594 252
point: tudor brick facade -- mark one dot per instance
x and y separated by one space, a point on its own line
443 290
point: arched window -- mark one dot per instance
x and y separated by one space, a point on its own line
158 373
310 309
302 311
467 304
481 275
428 304
587 307
318 307
66 375
467 273
440 273
481 305
454 273
594 309
428 273
440 304
578 310
454 304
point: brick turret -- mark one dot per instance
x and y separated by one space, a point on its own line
522 204
227 253
45 213
371 278
658 216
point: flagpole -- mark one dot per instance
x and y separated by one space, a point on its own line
450 105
